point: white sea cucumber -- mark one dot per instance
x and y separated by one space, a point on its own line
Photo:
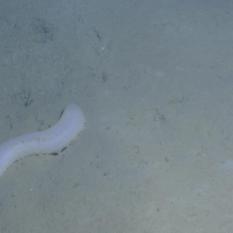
51 140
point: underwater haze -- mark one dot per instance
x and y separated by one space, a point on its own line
154 80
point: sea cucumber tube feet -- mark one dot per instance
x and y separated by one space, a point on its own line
51 140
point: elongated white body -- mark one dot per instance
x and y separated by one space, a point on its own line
52 140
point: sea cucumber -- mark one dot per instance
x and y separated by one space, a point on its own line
51 140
